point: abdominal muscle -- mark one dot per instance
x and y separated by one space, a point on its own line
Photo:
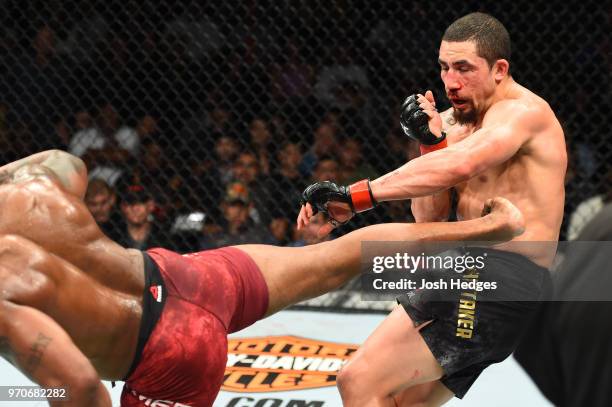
539 240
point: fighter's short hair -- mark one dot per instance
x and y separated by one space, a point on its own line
491 37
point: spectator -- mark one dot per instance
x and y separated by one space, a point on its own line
106 153
260 139
287 178
100 199
226 150
155 170
140 230
237 227
147 128
327 169
247 171
325 141
352 166
279 228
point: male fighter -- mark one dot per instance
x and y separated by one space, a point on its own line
75 307
498 138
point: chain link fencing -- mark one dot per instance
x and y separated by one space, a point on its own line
208 119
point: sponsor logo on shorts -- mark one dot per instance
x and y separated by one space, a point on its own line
156 291
281 363
467 308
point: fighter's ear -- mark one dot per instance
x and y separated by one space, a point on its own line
501 69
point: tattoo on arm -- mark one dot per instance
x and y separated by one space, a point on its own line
36 352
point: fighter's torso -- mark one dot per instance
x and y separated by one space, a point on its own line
98 303
533 179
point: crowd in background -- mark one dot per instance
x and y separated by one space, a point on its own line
201 124
143 194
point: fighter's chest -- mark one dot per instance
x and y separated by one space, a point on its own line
456 132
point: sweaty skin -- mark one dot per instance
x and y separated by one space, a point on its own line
71 299
515 149
37 205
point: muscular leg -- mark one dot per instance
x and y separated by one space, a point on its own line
296 274
393 368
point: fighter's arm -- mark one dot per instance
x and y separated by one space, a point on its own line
41 349
507 127
69 170
435 207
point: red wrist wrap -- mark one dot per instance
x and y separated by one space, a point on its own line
361 195
428 149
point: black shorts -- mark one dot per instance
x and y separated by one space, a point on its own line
474 329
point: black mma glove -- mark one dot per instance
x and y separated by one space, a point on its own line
357 196
415 123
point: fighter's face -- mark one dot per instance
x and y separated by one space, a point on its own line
468 80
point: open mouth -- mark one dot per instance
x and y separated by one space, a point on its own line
458 103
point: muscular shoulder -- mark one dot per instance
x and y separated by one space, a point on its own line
529 113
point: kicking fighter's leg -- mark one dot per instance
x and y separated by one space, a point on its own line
296 274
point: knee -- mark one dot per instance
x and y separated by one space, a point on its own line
352 382
345 382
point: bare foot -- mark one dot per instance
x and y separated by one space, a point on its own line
509 217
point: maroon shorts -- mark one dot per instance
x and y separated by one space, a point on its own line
201 297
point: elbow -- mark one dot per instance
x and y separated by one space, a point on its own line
85 389
463 170
64 155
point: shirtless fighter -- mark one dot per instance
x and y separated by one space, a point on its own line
498 138
75 307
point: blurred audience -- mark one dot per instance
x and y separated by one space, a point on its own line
236 227
327 169
247 171
352 166
139 228
260 139
100 199
226 150
287 179
106 147
325 142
